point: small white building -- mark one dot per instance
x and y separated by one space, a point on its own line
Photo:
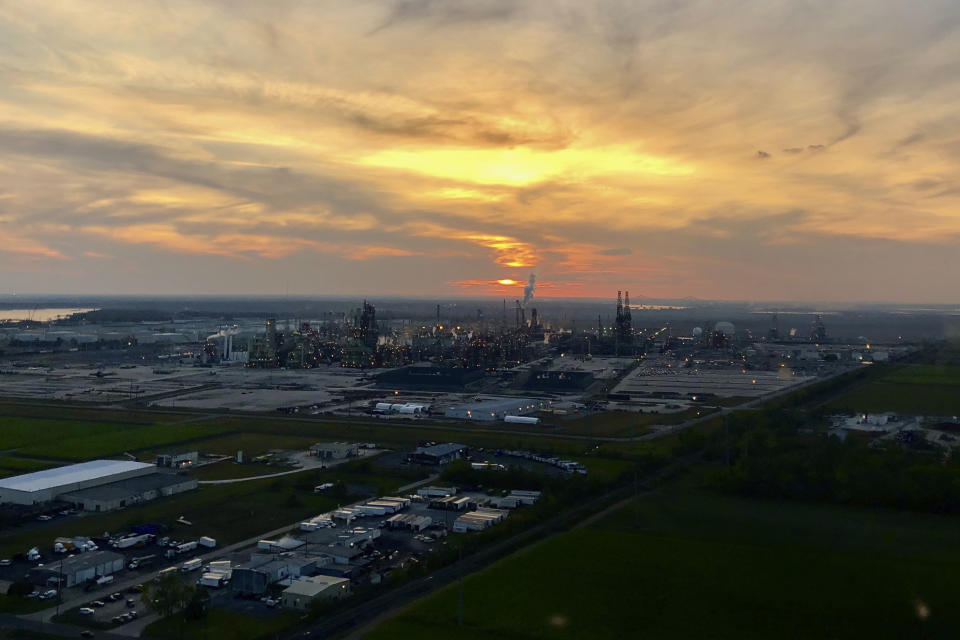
302 593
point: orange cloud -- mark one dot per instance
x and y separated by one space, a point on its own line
28 247
239 245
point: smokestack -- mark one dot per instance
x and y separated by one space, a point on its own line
529 289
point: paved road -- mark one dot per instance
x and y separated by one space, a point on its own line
307 462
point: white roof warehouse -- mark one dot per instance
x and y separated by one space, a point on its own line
44 486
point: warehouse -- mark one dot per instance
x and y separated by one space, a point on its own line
439 453
478 520
43 486
178 460
302 593
335 450
496 409
123 493
78 569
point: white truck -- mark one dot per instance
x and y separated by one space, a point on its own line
187 546
131 541
207 541
141 561
214 580
191 565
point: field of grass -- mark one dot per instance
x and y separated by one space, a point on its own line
684 564
11 465
222 625
923 389
227 469
92 441
252 444
22 634
19 432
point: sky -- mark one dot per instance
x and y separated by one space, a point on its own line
748 150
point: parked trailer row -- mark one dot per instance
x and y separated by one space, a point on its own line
570 466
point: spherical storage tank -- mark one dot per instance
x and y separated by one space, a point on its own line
697 332
725 327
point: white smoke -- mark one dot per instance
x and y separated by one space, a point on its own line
223 333
529 289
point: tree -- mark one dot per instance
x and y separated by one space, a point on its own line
169 594
199 604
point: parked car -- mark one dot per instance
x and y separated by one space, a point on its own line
113 597
86 611
6 562
98 603
86 633
44 517
49 593
131 603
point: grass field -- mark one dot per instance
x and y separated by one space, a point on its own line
222 625
683 564
624 423
10 465
21 634
921 389
109 442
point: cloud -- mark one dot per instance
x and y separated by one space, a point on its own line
461 141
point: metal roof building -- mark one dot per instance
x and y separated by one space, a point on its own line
496 408
43 486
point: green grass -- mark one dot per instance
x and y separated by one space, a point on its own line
922 389
227 470
222 625
23 634
17 605
19 432
684 564
12 465
253 444
106 442
624 423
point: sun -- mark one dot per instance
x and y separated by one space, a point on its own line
506 281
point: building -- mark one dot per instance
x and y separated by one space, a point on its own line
436 492
335 450
302 593
123 493
439 453
74 570
43 486
426 377
178 460
340 554
478 520
496 409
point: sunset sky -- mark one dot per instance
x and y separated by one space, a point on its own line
767 150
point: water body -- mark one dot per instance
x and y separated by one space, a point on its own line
38 315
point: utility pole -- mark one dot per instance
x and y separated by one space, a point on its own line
726 438
460 606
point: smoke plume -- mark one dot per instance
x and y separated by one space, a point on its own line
529 288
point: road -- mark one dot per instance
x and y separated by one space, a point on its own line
307 462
